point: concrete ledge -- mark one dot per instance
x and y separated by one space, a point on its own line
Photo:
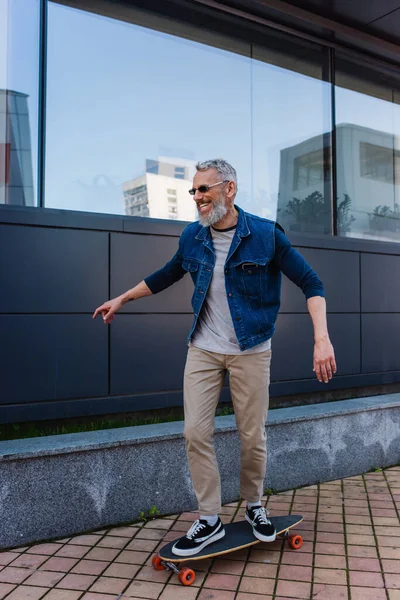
62 485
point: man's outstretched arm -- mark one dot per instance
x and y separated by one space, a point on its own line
109 308
294 266
324 356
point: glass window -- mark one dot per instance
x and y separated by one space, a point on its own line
291 134
134 102
139 98
368 151
19 62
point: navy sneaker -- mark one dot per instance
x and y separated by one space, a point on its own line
262 526
198 537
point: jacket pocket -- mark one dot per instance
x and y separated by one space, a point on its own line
191 266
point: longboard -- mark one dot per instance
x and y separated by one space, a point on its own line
237 536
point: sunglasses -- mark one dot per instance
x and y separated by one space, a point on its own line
204 188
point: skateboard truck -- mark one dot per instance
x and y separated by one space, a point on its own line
185 575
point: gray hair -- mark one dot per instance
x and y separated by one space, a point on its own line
221 166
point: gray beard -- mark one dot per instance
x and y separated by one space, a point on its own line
217 213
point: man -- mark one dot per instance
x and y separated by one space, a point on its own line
235 260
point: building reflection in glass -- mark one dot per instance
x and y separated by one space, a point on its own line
16 173
162 191
368 173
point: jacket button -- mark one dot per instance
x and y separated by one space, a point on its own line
237 318
230 295
249 272
226 271
201 292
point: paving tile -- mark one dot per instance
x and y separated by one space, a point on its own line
394 594
148 573
266 556
30 561
229 567
85 540
7 557
102 554
362 579
362 551
330 576
14 575
112 541
293 589
62 595
364 564
359 529
361 540
76 582
325 561
389 552
257 569
335 549
90 567
132 558
72 551
358 520
257 585
175 592
143 545
109 585
207 594
362 593
391 566
391 581
291 557
47 549
330 592
5 588
295 573
44 578
219 581
124 531
330 538
158 534
330 527
121 570
145 589
58 564
23 592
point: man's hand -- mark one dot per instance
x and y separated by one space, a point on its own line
324 360
108 310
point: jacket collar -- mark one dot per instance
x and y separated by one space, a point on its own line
242 228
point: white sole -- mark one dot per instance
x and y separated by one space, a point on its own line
262 538
198 549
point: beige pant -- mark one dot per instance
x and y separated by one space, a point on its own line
249 383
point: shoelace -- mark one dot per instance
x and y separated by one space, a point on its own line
195 528
261 515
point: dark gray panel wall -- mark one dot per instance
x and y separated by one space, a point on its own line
381 342
340 274
148 352
293 344
52 270
55 358
380 283
49 357
133 257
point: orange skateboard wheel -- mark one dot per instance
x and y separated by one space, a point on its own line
295 541
186 576
157 563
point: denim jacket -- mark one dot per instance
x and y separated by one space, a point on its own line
259 254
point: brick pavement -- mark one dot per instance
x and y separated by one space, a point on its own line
351 551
